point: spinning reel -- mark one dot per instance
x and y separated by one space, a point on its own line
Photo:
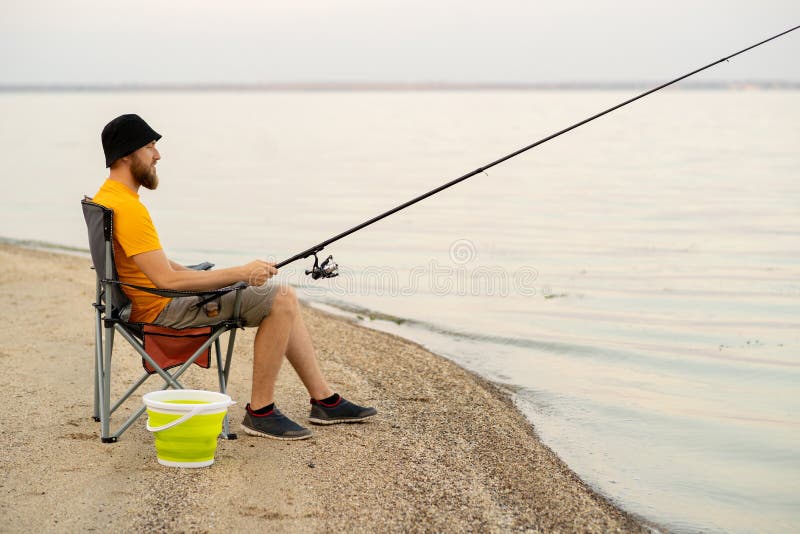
328 268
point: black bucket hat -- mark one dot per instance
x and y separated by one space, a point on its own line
124 135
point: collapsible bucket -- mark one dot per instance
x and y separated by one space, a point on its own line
186 424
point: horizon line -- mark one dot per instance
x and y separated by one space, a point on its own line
390 86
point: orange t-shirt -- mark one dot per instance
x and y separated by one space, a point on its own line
134 234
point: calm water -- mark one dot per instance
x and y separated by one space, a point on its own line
637 282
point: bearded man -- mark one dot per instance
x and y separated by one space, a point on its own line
129 144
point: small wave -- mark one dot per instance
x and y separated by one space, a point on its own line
638 354
545 346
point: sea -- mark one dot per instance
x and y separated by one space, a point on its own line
635 283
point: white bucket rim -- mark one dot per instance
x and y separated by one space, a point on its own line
213 401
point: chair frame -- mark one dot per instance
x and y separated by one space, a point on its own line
110 318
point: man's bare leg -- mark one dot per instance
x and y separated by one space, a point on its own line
284 332
300 353
269 348
326 408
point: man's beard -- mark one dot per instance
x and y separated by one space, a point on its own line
144 175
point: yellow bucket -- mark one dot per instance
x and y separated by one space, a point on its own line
186 424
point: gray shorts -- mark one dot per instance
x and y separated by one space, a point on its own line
255 305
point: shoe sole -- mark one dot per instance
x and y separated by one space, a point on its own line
252 432
337 421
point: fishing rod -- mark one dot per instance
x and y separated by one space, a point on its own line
328 268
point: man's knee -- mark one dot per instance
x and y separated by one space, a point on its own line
285 301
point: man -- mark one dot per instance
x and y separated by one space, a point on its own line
130 150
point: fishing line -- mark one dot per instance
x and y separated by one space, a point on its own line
328 268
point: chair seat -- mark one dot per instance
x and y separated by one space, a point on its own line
170 347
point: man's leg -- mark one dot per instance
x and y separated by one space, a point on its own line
284 332
300 353
327 407
262 417
269 348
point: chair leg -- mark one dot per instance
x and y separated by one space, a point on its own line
105 392
223 385
98 360
220 369
229 354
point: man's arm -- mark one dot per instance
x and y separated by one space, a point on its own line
177 266
159 269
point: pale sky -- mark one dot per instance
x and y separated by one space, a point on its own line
186 41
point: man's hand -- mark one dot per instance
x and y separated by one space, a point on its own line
257 272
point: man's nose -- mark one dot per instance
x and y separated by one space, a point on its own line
156 154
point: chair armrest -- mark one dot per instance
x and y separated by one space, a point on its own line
176 293
205 266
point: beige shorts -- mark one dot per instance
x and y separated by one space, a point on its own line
255 305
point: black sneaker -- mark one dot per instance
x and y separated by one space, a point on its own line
341 411
273 425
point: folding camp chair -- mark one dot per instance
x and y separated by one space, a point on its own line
112 314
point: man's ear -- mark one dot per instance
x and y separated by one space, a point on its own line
121 161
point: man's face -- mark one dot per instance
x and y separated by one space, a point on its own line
143 165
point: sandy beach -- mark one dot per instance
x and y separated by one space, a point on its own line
448 451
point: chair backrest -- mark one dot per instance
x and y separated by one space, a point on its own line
100 225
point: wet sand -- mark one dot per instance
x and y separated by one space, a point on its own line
448 451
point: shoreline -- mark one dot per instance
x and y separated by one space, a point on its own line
449 450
